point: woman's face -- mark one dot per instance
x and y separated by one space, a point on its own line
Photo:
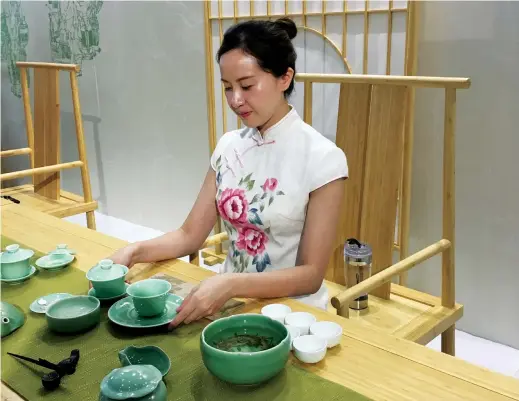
253 94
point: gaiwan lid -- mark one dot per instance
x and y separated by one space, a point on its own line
13 253
106 270
130 382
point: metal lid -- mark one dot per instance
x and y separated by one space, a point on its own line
356 251
13 254
106 270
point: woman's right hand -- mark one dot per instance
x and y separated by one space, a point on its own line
125 256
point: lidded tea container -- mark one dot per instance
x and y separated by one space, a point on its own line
357 268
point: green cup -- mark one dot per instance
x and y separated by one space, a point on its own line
149 296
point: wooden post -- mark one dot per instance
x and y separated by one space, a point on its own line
448 276
29 127
87 190
47 150
307 113
405 191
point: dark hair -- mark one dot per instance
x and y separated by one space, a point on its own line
269 42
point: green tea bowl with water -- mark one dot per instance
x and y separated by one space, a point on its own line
73 315
246 349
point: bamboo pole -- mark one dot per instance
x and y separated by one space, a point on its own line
449 204
224 110
341 300
15 152
57 66
344 27
423 82
389 40
29 125
85 179
211 101
209 68
405 188
366 32
40 170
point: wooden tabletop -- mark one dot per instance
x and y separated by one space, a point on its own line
375 364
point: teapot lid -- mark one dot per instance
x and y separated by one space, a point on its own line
13 253
106 270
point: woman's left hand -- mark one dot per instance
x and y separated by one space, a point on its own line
204 300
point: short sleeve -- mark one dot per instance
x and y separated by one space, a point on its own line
221 146
329 164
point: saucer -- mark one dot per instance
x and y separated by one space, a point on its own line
41 304
92 292
46 263
19 279
124 314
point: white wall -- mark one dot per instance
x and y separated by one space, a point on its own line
479 40
144 108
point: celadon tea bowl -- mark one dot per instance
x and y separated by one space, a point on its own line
107 278
15 262
146 355
74 314
246 349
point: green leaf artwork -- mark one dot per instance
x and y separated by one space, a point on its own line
15 37
74 30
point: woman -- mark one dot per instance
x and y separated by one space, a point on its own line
278 185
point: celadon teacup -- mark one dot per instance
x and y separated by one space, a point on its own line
149 296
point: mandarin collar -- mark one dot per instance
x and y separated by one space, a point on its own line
281 126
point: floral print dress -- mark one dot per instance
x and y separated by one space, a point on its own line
263 187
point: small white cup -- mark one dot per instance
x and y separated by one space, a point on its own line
329 331
276 312
301 320
310 348
294 333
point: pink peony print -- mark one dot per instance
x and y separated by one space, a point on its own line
233 206
270 184
252 239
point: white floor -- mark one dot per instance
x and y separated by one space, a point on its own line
494 356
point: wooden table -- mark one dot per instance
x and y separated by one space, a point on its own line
376 364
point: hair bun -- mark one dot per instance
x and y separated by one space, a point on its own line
288 26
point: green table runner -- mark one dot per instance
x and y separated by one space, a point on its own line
188 378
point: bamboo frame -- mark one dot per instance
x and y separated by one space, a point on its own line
312 14
49 156
411 11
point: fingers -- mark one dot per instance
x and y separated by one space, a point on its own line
184 311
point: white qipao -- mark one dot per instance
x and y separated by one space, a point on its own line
263 188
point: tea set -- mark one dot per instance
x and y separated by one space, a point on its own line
16 264
149 303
